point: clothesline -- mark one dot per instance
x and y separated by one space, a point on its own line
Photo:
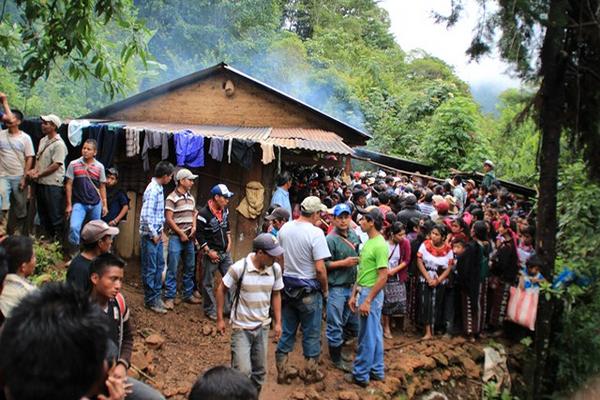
188 145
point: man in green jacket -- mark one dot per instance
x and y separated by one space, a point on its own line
490 176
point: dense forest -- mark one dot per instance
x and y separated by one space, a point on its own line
338 56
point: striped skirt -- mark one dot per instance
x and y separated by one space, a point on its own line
499 293
431 304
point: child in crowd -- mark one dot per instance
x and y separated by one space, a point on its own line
116 199
531 276
21 264
394 302
223 383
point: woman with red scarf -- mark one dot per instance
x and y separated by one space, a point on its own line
435 263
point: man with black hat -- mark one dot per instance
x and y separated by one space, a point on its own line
256 282
367 300
341 274
410 209
277 218
214 237
305 278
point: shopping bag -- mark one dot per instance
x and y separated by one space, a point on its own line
522 307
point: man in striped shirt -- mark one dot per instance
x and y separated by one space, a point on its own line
256 282
152 220
180 214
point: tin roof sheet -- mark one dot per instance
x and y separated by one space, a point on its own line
290 138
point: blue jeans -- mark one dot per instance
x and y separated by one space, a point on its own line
369 355
339 316
249 353
82 213
209 301
153 263
176 250
306 312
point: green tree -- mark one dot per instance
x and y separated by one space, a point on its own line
40 36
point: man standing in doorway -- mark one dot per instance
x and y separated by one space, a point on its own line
368 290
281 196
16 159
49 174
214 237
305 279
341 274
180 213
256 281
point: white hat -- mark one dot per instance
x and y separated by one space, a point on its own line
488 162
52 118
184 173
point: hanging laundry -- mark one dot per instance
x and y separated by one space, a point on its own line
75 130
189 149
154 140
132 141
107 139
268 153
242 152
216 148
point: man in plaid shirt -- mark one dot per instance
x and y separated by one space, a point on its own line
152 220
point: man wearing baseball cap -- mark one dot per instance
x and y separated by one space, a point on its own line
49 174
96 238
343 245
257 282
277 218
305 278
180 215
214 237
490 175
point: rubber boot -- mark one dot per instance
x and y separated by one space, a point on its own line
336 357
285 374
312 374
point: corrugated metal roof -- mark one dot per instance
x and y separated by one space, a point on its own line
290 138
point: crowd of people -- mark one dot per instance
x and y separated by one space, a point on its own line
368 255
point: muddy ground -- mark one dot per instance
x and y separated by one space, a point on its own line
172 350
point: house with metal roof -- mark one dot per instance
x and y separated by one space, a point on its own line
222 102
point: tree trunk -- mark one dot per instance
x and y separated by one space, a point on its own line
551 120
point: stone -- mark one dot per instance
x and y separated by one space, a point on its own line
298 395
440 359
445 374
139 360
412 387
154 341
311 394
348 395
471 368
475 352
206 330
458 340
170 392
183 390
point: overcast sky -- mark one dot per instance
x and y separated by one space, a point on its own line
415 28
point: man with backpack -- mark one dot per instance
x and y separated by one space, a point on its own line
106 278
256 282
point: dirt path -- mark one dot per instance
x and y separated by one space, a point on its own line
191 346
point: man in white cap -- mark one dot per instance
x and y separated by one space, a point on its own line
96 238
214 237
305 277
49 174
490 175
260 277
180 214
